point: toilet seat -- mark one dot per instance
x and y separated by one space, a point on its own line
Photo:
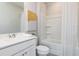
42 50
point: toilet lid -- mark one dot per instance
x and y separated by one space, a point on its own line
42 48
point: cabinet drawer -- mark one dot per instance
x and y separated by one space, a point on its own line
15 48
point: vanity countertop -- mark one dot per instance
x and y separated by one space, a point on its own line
5 41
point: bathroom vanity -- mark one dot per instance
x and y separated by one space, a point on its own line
21 45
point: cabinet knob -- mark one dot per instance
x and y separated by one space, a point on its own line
25 53
22 54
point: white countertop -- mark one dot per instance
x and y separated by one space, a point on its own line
20 37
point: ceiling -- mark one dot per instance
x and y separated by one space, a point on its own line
19 4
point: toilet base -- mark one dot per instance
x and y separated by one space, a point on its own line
42 54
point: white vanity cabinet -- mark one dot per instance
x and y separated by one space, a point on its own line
24 48
27 52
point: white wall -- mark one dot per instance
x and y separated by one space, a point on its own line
53 22
9 18
31 6
50 15
54 9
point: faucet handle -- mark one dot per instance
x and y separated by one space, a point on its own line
10 36
13 35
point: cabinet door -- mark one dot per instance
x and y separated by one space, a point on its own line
31 51
12 50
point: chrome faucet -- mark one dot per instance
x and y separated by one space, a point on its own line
12 35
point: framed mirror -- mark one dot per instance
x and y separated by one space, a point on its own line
10 15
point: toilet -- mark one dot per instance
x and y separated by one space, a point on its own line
42 50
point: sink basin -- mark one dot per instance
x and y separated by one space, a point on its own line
22 35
